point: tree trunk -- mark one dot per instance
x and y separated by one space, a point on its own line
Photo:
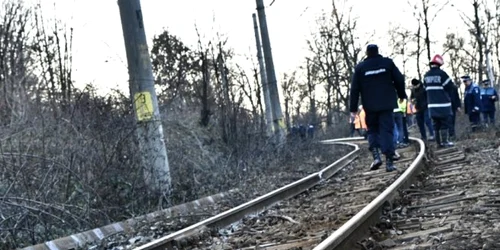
205 109
419 48
425 9
480 42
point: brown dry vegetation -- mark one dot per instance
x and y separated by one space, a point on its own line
66 174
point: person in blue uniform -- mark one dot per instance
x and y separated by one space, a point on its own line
439 87
489 96
472 102
379 82
419 98
398 122
455 107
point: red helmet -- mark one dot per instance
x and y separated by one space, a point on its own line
438 60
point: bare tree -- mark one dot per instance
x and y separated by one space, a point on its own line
205 71
336 49
310 92
54 49
425 12
16 80
454 47
480 27
290 88
400 40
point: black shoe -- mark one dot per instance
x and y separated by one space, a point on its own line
377 162
389 165
396 156
445 142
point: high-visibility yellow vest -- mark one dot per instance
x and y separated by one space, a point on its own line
402 105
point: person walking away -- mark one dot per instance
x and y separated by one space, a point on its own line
395 141
379 82
398 122
403 106
455 107
352 126
488 98
360 122
310 131
302 131
419 98
438 86
410 114
472 102
362 118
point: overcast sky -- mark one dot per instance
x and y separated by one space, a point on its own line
99 52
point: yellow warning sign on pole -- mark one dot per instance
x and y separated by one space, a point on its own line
281 123
143 104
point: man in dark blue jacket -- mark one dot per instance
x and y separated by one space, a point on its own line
455 107
380 83
489 96
419 98
439 86
472 102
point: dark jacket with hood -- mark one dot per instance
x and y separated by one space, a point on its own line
419 96
455 99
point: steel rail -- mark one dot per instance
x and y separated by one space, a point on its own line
97 234
260 203
342 238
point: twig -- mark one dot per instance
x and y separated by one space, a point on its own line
284 217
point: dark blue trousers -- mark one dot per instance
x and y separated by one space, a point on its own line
489 117
398 120
424 120
474 118
380 131
406 135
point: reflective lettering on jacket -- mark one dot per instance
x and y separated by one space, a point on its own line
438 86
379 83
374 72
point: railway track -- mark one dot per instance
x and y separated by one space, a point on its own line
456 205
323 213
441 203
134 231
177 215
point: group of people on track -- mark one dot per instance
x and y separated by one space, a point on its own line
386 109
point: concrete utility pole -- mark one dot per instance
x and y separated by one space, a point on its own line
263 79
143 95
279 125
